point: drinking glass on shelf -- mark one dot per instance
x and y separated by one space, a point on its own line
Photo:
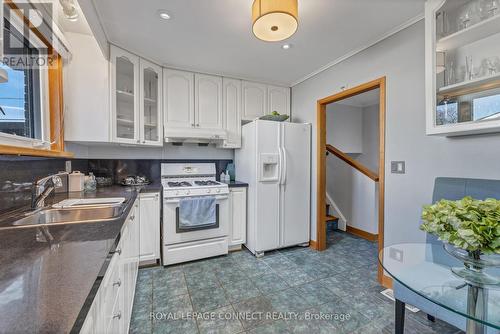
450 74
492 7
470 15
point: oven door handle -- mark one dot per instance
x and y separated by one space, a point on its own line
176 201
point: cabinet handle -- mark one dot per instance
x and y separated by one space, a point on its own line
132 217
197 125
192 124
118 315
119 251
144 142
138 141
118 283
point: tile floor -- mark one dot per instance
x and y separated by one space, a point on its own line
298 283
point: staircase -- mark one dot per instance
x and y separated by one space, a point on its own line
330 220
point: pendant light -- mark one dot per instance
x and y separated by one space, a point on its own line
274 20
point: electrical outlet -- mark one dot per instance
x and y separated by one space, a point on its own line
396 254
398 167
68 166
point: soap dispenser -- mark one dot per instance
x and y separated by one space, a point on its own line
222 177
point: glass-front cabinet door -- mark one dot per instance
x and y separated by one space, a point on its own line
462 66
124 96
150 109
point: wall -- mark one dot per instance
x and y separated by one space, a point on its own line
344 127
370 130
401 59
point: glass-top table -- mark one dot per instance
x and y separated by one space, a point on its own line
425 269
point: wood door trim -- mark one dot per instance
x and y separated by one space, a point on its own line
321 104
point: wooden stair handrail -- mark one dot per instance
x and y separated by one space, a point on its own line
353 163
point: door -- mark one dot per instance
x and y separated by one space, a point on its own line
150 119
238 211
124 96
179 99
267 192
231 106
149 227
278 99
295 183
254 100
208 101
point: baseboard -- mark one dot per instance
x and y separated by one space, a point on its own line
362 234
313 244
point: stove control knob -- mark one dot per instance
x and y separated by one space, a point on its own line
208 191
177 193
188 192
218 190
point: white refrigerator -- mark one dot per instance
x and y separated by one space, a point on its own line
275 160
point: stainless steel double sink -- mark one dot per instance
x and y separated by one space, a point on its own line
71 215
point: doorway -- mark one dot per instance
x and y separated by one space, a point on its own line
377 176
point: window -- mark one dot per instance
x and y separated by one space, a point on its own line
20 107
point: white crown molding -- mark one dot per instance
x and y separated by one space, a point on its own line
348 55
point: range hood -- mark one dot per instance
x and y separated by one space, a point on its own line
195 136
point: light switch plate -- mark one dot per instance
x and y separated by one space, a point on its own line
398 167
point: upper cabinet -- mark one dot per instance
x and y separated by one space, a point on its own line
179 99
462 66
231 106
208 101
254 97
151 100
136 99
278 99
124 96
193 107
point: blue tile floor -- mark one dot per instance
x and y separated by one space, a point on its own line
295 290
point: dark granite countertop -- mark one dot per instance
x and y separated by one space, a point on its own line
236 184
44 285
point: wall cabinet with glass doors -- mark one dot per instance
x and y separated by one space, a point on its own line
136 92
462 66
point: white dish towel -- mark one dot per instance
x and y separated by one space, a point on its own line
197 211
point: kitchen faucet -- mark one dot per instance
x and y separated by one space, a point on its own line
41 191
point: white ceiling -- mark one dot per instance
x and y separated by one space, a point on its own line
215 36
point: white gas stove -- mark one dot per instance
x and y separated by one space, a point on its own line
182 181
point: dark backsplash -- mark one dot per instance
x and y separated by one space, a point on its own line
18 173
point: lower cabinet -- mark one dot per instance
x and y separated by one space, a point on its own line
150 227
111 309
238 219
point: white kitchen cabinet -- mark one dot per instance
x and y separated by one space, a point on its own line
208 101
238 212
278 99
231 112
86 92
254 103
150 120
179 100
136 99
111 308
124 68
149 227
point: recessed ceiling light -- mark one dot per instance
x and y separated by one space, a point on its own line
286 46
164 14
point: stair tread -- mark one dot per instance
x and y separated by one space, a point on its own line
330 218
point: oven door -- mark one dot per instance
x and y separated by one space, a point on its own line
174 233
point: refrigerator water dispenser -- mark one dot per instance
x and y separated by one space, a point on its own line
269 167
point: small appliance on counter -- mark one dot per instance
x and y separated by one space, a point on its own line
76 181
133 180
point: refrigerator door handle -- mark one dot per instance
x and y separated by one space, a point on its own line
280 159
284 168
